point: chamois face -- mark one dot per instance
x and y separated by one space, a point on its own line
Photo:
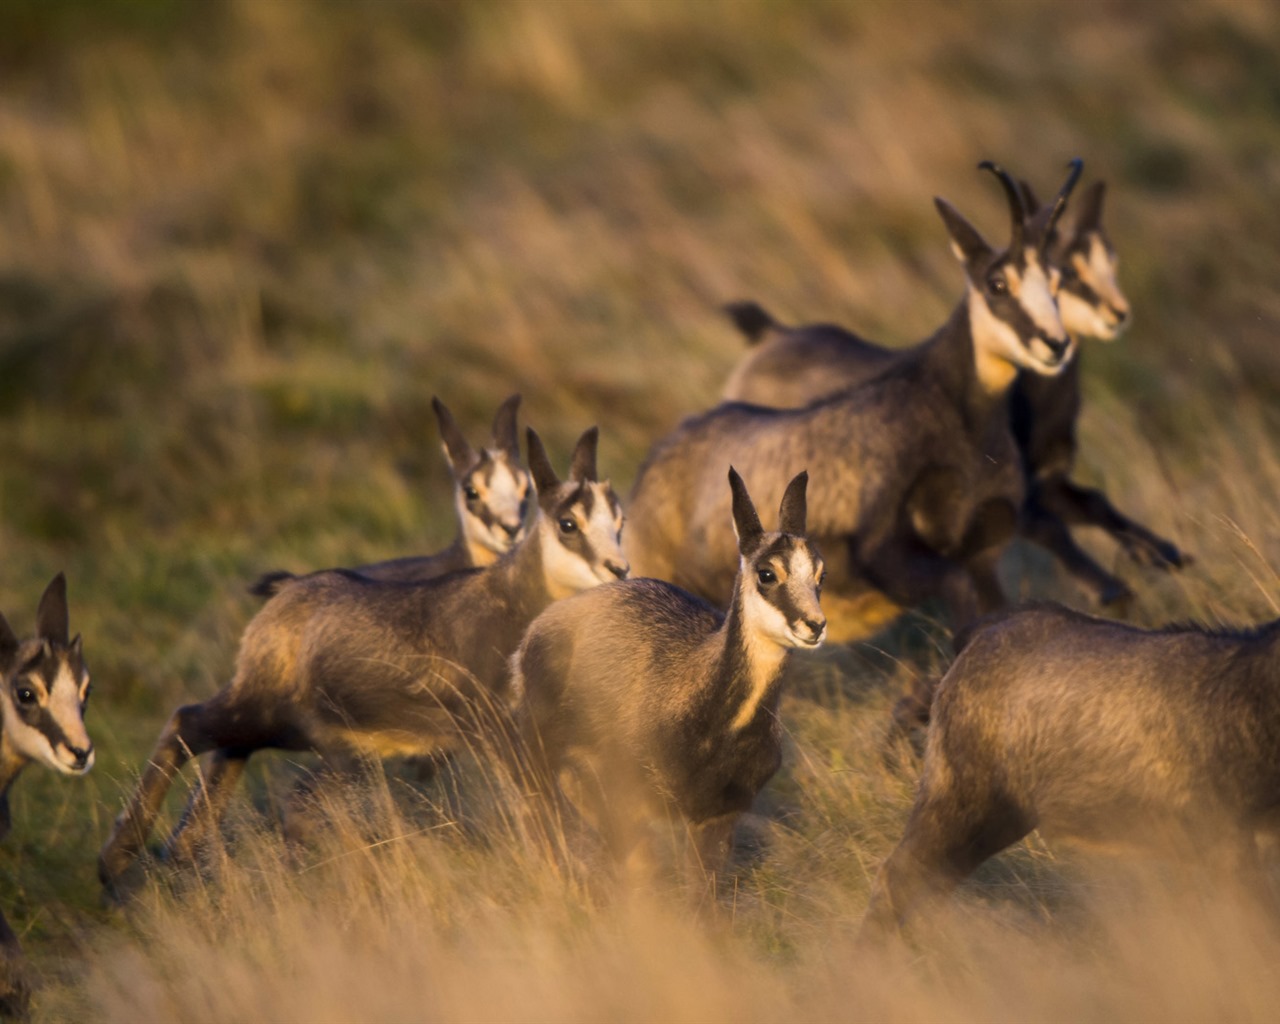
782 590
1090 298
493 501
779 573
44 689
491 488
579 522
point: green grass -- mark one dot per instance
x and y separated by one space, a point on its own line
241 246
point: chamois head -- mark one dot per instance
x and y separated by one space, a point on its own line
580 521
491 488
44 687
1089 296
780 573
1012 308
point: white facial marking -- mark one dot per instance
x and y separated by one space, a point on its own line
502 494
1036 297
63 705
998 351
601 536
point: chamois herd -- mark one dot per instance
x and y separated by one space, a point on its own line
630 678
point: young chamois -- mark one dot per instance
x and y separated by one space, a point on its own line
789 367
661 705
356 668
491 493
917 479
44 687
1091 729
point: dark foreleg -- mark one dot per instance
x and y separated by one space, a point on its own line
206 806
910 574
1085 506
1047 529
191 731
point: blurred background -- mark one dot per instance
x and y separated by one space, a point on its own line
243 243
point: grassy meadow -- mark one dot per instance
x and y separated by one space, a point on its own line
242 244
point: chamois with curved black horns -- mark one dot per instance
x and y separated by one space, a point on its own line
491 492
1093 730
1044 414
789 367
356 668
664 706
44 687
917 481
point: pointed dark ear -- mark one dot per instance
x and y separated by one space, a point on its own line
583 467
51 614
505 433
792 514
456 446
8 644
77 646
544 476
970 247
745 521
1089 208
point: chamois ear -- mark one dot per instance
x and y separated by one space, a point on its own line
51 613
456 447
505 433
544 476
970 247
791 515
8 644
746 523
1089 215
583 467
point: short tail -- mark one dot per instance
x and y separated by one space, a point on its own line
751 319
270 584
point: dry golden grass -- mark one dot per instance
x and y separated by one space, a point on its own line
243 242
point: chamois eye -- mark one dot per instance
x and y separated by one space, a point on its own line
87 691
471 493
567 525
822 577
26 695
767 576
997 285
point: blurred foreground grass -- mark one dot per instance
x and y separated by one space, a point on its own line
243 243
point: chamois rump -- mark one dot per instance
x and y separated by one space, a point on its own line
662 706
491 492
1093 730
356 668
917 481
789 367
44 688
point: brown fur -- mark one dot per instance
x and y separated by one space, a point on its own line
353 667
1091 730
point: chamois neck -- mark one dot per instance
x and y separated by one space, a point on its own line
979 380
750 665
477 554
521 572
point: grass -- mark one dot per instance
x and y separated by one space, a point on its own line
243 243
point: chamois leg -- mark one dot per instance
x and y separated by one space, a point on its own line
192 730
206 806
947 836
710 844
911 573
15 982
1045 528
1086 506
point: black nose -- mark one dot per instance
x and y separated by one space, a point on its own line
81 755
1121 315
1058 348
510 531
619 569
816 626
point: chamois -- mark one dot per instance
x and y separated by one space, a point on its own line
490 492
355 668
44 687
664 705
917 480
1095 730
789 367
